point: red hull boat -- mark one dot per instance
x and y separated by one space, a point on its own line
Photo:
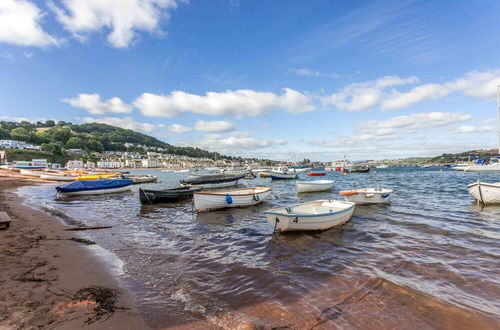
316 174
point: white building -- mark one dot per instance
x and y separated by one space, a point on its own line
72 164
110 164
149 162
90 165
14 144
39 162
133 163
3 158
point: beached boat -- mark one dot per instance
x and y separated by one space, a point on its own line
95 187
211 200
368 195
147 196
213 181
96 177
137 179
316 174
486 193
33 173
57 177
314 186
280 173
315 215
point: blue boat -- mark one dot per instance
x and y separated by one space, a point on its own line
94 187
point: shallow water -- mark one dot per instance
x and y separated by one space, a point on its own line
437 252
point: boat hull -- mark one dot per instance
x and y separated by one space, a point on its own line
483 168
368 196
30 173
300 170
53 177
312 186
282 176
297 222
316 174
166 196
486 193
213 185
206 201
97 191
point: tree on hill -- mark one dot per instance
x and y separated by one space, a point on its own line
75 143
20 133
4 134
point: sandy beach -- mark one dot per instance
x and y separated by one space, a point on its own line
51 280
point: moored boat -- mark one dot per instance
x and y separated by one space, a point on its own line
368 195
316 174
57 177
314 186
147 196
280 173
137 179
213 181
315 215
94 187
211 200
33 173
486 193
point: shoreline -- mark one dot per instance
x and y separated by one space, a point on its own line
48 279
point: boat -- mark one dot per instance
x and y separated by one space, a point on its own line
368 195
33 173
96 177
486 193
315 215
235 171
95 187
147 196
338 165
213 181
299 169
316 174
493 165
27 167
356 168
57 177
280 173
182 171
382 166
257 171
264 174
137 179
314 186
211 200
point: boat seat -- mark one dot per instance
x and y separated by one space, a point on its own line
321 210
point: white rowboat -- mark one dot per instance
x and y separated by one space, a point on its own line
368 195
30 173
282 173
57 177
486 193
316 215
211 200
313 186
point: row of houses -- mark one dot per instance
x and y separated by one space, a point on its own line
14 144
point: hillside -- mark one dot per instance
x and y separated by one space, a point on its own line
451 158
55 138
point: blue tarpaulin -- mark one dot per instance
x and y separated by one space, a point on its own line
85 185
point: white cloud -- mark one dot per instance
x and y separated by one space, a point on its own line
123 122
473 129
20 119
304 72
215 142
376 93
176 128
214 126
20 24
240 103
123 17
92 104
365 95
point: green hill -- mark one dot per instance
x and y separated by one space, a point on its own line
55 138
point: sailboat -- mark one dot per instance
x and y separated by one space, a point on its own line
494 162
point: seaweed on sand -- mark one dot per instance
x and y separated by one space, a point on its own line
103 298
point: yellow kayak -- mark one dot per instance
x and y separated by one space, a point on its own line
96 177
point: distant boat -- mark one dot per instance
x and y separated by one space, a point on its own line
280 173
235 171
356 168
213 181
486 193
314 186
33 173
147 196
382 166
316 174
299 169
368 195
211 200
492 166
181 171
315 215
95 187
138 179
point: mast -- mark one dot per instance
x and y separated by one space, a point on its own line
498 87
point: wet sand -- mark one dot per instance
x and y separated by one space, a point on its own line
43 271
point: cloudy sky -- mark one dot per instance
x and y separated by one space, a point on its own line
277 79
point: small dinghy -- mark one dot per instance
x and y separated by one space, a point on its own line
368 195
315 215
137 179
313 186
57 177
147 196
33 173
212 181
211 200
486 193
281 173
316 174
94 187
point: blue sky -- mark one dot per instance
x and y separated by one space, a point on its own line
276 79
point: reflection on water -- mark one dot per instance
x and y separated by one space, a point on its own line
436 250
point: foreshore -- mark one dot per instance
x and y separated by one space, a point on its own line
50 280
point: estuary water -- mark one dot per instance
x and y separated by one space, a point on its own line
431 259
